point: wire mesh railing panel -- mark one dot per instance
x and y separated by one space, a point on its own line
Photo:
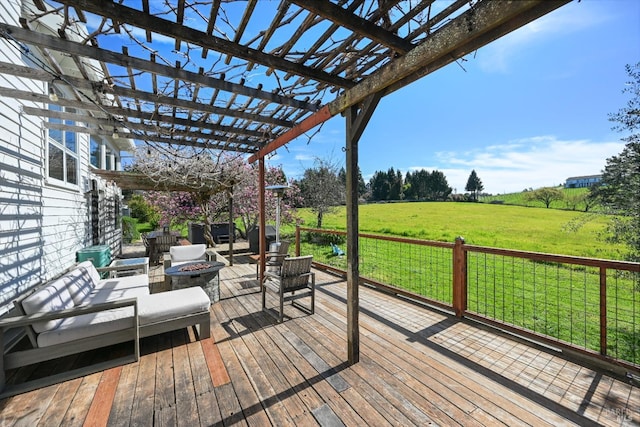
561 301
411 266
623 315
420 269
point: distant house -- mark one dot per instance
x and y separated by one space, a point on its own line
582 181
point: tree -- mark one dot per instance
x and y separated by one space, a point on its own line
246 203
546 195
362 187
416 184
474 185
321 189
211 178
199 174
619 190
395 184
438 189
380 186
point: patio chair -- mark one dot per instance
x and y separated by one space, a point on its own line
145 241
294 275
274 258
161 245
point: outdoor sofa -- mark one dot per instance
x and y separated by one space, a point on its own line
80 311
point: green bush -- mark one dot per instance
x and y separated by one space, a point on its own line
143 211
129 229
325 238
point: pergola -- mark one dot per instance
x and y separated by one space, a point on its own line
250 76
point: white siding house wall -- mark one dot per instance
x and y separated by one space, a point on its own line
43 222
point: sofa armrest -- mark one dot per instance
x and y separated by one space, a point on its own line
29 319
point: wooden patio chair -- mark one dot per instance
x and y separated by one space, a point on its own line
145 241
294 275
161 245
273 259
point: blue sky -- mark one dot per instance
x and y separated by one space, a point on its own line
529 110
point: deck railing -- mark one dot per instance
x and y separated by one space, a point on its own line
587 305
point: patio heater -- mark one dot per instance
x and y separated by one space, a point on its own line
279 190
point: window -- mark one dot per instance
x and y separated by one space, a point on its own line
63 150
95 152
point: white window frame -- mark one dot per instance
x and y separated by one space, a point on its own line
66 153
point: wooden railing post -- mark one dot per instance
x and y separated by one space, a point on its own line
297 240
603 311
459 277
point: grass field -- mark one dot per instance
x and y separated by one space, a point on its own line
501 226
557 300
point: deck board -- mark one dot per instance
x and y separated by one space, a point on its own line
417 367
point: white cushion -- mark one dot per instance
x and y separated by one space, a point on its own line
79 284
99 295
91 270
88 325
187 253
51 298
168 305
135 281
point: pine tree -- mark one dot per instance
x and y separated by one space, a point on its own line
474 185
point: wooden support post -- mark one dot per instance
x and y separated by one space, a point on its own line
459 278
357 120
262 221
297 240
231 228
603 311
353 257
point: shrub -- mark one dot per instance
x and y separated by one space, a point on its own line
325 238
143 211
129 229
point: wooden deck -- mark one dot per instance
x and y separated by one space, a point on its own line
418 367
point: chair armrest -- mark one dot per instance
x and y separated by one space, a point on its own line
271 274
278 257
28 319
211 254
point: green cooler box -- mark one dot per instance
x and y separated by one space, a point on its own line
99 255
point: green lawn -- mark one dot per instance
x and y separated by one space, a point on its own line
557 300
501 226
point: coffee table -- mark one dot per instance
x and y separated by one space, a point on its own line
128 266
207 277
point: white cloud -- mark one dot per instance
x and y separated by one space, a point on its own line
527 163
